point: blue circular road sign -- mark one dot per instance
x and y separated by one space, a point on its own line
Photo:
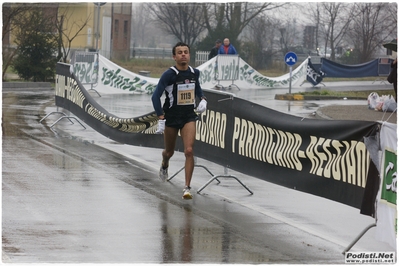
290 58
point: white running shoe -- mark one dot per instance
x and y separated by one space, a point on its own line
187 194
163 174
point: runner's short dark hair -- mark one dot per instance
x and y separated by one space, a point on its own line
179 44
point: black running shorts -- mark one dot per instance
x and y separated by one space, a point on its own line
177 119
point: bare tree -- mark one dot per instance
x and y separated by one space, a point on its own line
259 39
313 11
68 30
392 19
262 31
36 44
288 35
140 23
12 14
372 26
183 20
231 18
336 18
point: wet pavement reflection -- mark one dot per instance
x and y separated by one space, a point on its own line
67 199
194 239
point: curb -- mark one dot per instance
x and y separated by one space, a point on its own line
21 86
26 85
300 97
289 97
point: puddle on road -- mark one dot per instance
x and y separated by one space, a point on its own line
190 238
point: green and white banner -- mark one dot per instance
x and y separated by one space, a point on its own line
386 199
113 79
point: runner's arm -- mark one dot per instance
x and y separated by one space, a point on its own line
156 96
198 90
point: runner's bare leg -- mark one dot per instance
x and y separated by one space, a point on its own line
170 136
188 135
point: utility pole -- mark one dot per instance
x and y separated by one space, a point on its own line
99 5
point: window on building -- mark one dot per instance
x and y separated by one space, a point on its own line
125 29
116 28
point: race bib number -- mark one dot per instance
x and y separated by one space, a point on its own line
185 94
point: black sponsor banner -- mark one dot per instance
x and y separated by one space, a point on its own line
335 70
71 95
322 157
312 75
326 158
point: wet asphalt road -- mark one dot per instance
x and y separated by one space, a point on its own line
65 199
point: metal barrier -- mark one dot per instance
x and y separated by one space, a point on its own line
62 117
86 68
227 68
384 68
358 237
214 177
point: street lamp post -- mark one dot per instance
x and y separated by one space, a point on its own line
327 28
98 22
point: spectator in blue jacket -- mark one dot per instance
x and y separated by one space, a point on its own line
227 48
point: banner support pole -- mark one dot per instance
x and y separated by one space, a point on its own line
195 165
214 177
224 175
358 237
290 78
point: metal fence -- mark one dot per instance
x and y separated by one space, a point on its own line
165 53
153 53
201 57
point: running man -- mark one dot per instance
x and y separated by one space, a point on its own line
181 86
